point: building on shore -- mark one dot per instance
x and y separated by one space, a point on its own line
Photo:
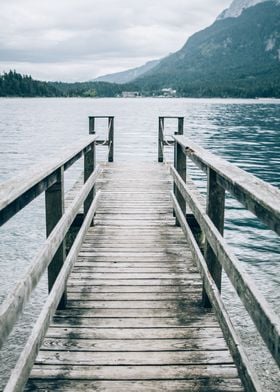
168 92
130 94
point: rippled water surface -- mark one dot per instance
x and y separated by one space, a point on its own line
246 132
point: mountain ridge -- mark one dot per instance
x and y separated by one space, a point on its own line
234 56
237 7
128 75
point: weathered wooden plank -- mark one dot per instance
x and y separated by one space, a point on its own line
136 289
137 304
184 313
73 332
159 345
161 372
128 253
206 384
140 296
91 267
132 322
130 275
133 358
178 281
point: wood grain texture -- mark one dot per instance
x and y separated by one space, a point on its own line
134 320
259 197
16 193
261 312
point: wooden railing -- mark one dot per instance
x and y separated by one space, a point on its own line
162 140
15 195
110 140
258 197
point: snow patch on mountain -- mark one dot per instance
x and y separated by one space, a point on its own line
236 8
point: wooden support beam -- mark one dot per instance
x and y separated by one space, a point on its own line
215 210
111 139
180 164
91 125
180 126
54 204
160 138
89 166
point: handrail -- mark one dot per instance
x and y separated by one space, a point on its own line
260 311
108 142
247 373
258 197
21 371
16 193
17 298
161 139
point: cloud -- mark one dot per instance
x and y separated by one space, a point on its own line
87 38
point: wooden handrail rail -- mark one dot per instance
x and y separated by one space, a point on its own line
263 200
245 369
110 141
258 308
61 224
21 371
259 197
16 193
161 139
15 301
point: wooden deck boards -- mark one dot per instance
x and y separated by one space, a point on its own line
134 320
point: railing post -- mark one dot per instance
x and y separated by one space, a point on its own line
180 164
180 126
54 202
91 123
160 138
111 139
89 166
215 210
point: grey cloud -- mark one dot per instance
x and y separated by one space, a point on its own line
104 33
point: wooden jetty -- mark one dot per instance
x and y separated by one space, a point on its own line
135 275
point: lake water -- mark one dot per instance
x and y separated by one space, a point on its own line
246 132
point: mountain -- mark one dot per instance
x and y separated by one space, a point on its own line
129 75
237 56
237 7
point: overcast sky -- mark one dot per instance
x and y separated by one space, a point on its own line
76 40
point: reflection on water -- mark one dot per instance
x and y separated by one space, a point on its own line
246 132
